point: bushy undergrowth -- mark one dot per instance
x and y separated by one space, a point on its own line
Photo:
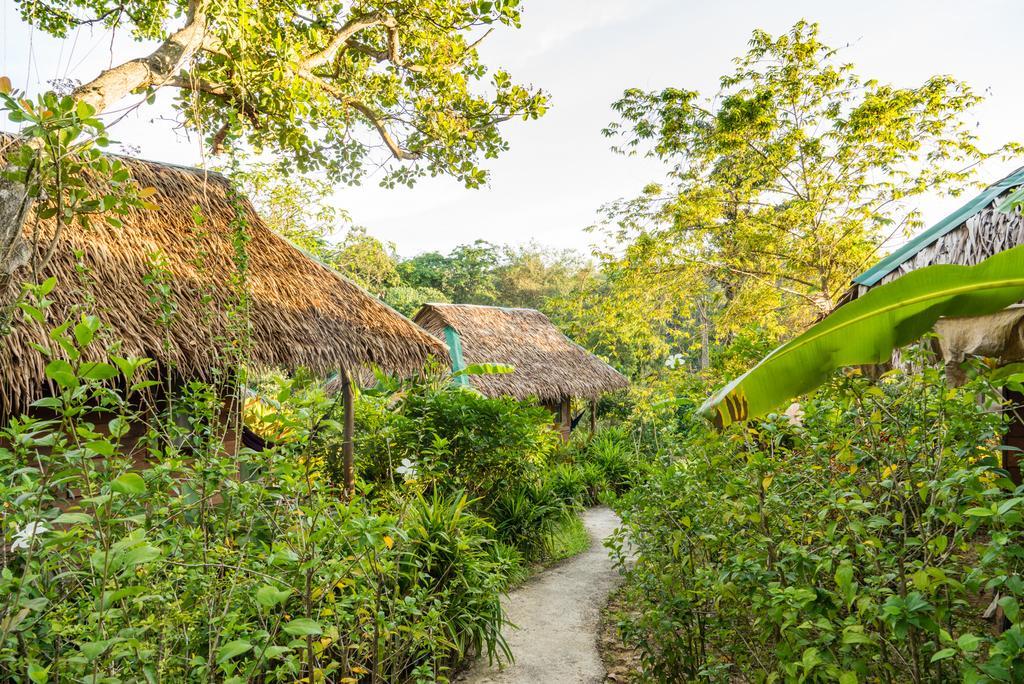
862 541
429 437
140 546
160 561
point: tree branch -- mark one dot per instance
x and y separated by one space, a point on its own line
351 27
394 54
368 114
382 131
158 67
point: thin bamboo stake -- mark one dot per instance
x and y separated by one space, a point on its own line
348 436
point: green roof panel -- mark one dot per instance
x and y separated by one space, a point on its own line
451 336
922 240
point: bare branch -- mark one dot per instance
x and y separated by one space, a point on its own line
385 135
476 43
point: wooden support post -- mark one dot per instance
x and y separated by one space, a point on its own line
593 418
1014 437
565 418
348 435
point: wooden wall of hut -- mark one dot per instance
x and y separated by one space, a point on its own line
562 410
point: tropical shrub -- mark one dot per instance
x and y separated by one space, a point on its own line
452 438
859 539
138 548
525 515
613 455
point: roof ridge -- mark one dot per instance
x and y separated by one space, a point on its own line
889 263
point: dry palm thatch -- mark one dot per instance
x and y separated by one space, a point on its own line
300 313
548 365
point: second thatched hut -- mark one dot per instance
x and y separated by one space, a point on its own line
547 365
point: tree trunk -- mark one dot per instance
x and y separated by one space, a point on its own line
15 251
593 418
705 338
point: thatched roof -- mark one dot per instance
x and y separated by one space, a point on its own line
971 234
302 313
548 365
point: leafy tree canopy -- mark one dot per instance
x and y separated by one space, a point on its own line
780 187
343 86
466 274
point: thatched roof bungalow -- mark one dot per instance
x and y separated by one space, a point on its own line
548 365
969 235
301 313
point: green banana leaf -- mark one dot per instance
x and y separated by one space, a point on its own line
484 369
868 329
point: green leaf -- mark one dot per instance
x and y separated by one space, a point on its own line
968 643
131 484
854 634
844 580
98 371
35 314
485 369
232 649
275 651
73 518
1011 609
46 287
93 649
112 597
83 334
84 109
269 596
141 555
303 627
38 674
868 329
61 373
943 654
118 427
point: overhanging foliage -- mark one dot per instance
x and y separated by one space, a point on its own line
868 329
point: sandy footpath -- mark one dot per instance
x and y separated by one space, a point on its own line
556 616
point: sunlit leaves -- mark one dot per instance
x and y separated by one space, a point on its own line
130 484
780 186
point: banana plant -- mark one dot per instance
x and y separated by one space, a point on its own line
868 329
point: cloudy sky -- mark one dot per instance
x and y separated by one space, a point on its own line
559 170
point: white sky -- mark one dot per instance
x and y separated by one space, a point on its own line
559 169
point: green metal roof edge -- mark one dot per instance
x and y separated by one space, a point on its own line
921 240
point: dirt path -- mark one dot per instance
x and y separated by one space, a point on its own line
557 615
